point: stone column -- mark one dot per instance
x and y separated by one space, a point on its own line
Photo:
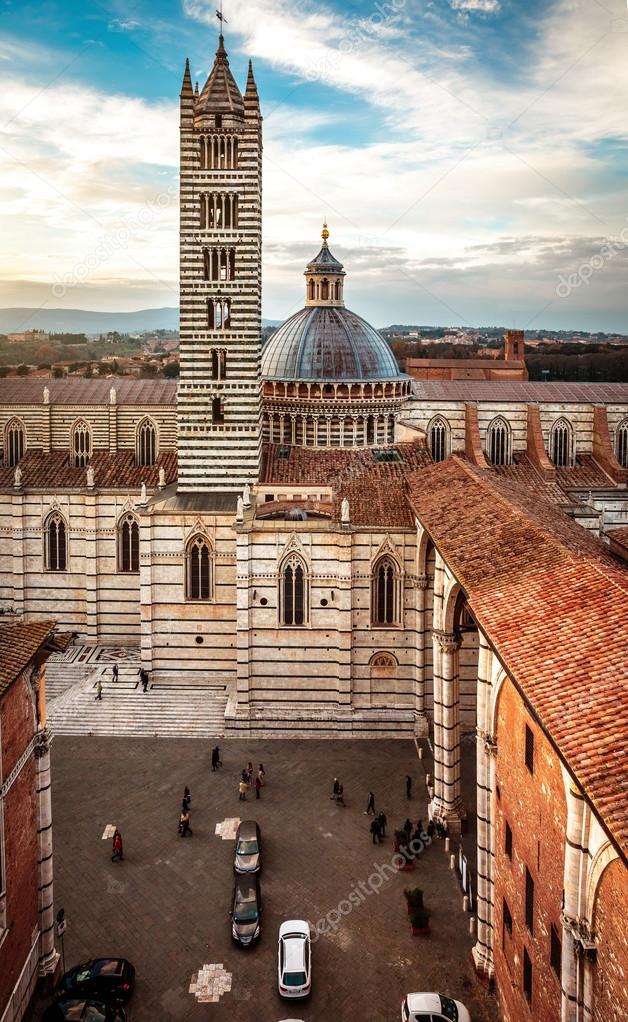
48 955
574 927
420 716
447 804
486 762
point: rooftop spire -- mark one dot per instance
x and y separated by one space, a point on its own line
325 232
186 85
251 98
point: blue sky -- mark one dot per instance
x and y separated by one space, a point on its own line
470 155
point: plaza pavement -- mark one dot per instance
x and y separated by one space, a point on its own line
166 906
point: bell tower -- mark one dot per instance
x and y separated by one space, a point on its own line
219 395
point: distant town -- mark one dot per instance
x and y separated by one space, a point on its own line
549 354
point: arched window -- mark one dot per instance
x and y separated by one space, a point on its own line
199 579
561 443
310 290
386 592
499 442
218 411
80 444
146 443
293 603
337 291
55 543
14 442
128 543
621 443
438 438
325 290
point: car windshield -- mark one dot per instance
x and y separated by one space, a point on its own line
82 974
448 1008
245 914
247 848
108 967
294 979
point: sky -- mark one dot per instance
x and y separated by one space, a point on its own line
470 156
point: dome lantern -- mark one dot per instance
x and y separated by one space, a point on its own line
324 277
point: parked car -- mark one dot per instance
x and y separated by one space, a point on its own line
295 959
246 924
107 979
73 1009
248 848
434 1008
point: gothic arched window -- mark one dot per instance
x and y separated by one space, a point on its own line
438 438
14 442
621 443
55 543
499 442
199 564
80 444
325 290
146 443
293 602
561 443
311 287
128 543
385 592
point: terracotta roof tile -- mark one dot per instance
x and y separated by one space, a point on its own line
566 647
53 471
519 390
79 391
18 645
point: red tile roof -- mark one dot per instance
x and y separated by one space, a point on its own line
111 471
377 491
18 645
519 390
79 391
554 605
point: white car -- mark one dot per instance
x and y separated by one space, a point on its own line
294 959
433 1008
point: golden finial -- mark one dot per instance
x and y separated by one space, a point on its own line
325 232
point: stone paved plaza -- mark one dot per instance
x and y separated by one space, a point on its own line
166 906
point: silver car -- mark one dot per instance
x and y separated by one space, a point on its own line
248 848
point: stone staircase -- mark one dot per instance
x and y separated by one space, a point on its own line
166 710
320 722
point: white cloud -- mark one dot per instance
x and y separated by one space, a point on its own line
484 6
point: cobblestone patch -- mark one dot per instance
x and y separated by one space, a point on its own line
227 829
210 983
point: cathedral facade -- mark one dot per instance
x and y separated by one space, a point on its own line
348 551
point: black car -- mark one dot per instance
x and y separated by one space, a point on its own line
70 1009
246 913
248 848
107 979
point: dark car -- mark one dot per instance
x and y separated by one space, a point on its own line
246 913
75 1010
107 979
248 848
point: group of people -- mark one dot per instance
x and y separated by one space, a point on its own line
184 816
247 778
115 672
337 793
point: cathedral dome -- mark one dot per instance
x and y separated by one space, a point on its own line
327 342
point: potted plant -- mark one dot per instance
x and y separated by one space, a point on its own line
420 922
414 899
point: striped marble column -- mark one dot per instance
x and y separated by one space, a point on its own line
447 804
486 754
48 955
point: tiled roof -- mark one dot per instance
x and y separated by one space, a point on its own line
377 492
53 471
18 645
554 605
520 390
586 474
79 391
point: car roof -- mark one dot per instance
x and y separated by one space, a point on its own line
423 1002
247 830
246 886
296 927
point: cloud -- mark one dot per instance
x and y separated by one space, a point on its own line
484 6
122 25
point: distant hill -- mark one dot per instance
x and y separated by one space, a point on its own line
85 322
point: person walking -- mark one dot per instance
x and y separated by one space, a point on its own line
184 824
335 789
408 786
419 826
242 789
115 671
375 831
216 762
257 785
117 850
408 829
340 796
187 798
370 805
249 771
430 829
382 824
261 773
144 679
98 689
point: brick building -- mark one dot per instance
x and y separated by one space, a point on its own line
27 950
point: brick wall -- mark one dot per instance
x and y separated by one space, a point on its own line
20 837
610 973
533 805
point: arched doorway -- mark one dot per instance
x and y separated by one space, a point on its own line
383 678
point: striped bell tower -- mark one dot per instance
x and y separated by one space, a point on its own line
219 396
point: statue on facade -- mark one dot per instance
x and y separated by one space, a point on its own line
162 477
344 512
91 482
240 510
112 396
246 500
143 494
17 478
46 396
